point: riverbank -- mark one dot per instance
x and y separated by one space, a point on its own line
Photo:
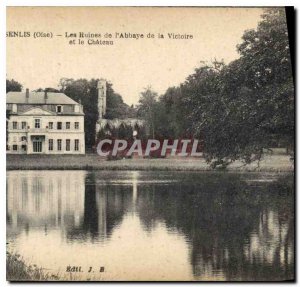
270 163
18 270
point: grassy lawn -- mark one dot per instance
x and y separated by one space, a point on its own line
277 162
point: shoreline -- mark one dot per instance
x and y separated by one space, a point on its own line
17 270
270 163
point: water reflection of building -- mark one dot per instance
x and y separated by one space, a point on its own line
82 205
45 198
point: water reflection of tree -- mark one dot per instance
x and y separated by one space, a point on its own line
104 208
235 227
243 230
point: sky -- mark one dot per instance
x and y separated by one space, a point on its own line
129 64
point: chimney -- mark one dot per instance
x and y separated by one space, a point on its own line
46 96
27 95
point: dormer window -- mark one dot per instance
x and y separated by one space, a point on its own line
14 108
59 109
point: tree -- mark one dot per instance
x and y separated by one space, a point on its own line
116 108
171 107
13 86
147 107
241 108
253 97
51 90
267 66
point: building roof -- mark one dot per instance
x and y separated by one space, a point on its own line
37 98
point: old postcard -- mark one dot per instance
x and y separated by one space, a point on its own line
150 144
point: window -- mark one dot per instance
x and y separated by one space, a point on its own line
37 146
50 125
23 138
24 124
58 109
76 146
68 145
37 123
68 125
50 146
24 147
15 147
59 125
76 125
58 144
15 125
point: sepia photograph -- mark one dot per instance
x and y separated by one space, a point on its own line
150 144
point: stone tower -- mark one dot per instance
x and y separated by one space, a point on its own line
101 87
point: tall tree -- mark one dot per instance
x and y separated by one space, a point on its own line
116 108
147 107
171 107
243 107
252 98
267 67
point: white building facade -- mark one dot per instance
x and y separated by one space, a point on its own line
44 123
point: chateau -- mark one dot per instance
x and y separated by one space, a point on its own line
44 123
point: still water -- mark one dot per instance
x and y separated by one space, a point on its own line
153 225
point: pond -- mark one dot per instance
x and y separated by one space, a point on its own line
139 225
